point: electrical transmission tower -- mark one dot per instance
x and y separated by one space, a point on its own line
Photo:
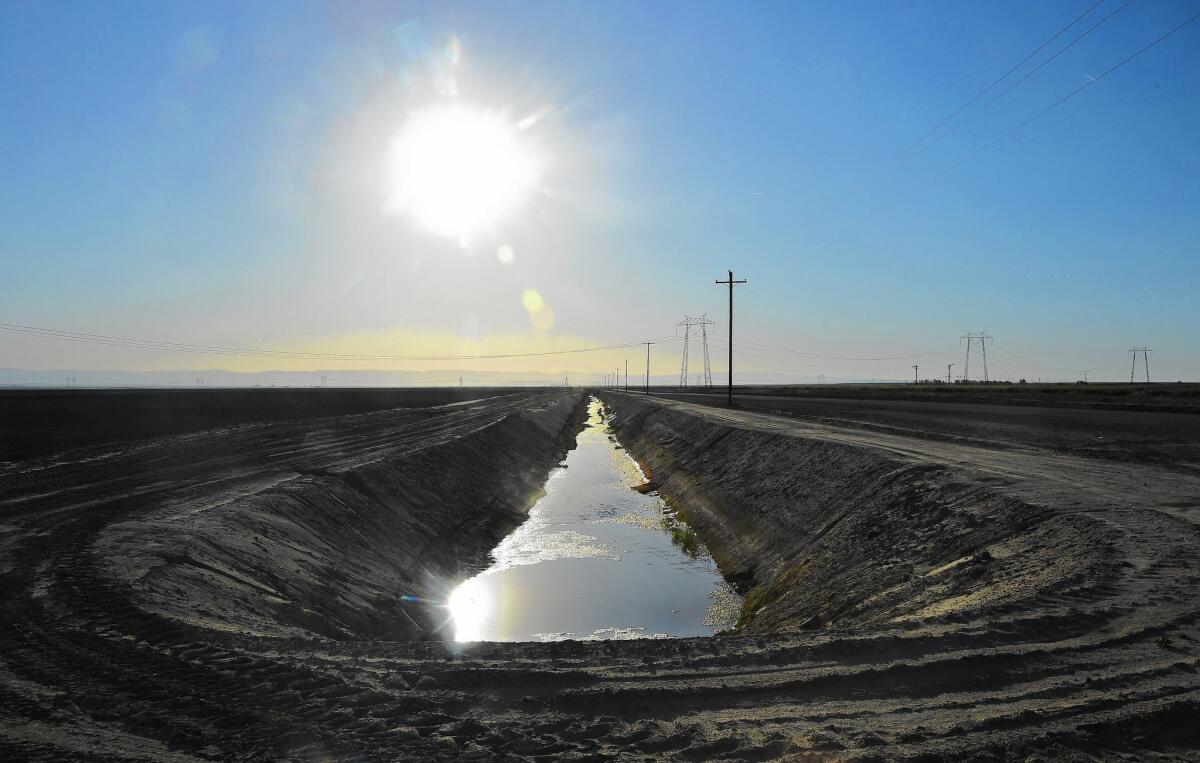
972 338
695 326
1145 360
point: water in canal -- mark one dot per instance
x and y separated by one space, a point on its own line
595 560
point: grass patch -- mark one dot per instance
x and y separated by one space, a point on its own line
763 595
687 540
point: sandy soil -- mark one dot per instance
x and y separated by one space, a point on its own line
1148 434
41 422
1171 397
218 595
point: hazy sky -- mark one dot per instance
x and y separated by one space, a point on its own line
218 173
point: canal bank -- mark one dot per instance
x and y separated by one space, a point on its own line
817 533
595 560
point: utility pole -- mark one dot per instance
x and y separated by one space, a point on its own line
948 367
648 365
915 374
1146 360
730 283
687 332
626 374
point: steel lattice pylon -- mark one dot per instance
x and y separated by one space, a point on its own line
972 337
695 326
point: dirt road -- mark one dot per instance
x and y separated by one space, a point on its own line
930 598
1169 439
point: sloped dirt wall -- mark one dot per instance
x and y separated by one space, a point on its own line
818 533
332 553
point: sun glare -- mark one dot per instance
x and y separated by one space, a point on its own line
458 169
470 606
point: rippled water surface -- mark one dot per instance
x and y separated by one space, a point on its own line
595 560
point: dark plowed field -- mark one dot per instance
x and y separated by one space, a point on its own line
921 585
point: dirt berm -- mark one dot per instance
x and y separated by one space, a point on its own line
818 533
332 549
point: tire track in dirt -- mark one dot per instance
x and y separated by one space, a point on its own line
1076 634
103 662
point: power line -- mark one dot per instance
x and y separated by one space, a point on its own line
998 80
844 357
153 344
1005 355
1071 94
1031 363
791 362
1034 71
1036 364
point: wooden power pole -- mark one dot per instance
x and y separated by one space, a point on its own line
648 365
730 283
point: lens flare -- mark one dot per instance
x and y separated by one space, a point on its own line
470 606
541 317
532 301
458 169
542 320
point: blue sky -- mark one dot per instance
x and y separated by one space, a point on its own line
206 173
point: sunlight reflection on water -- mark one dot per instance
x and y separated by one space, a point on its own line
595 560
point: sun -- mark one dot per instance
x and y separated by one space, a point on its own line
458 169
